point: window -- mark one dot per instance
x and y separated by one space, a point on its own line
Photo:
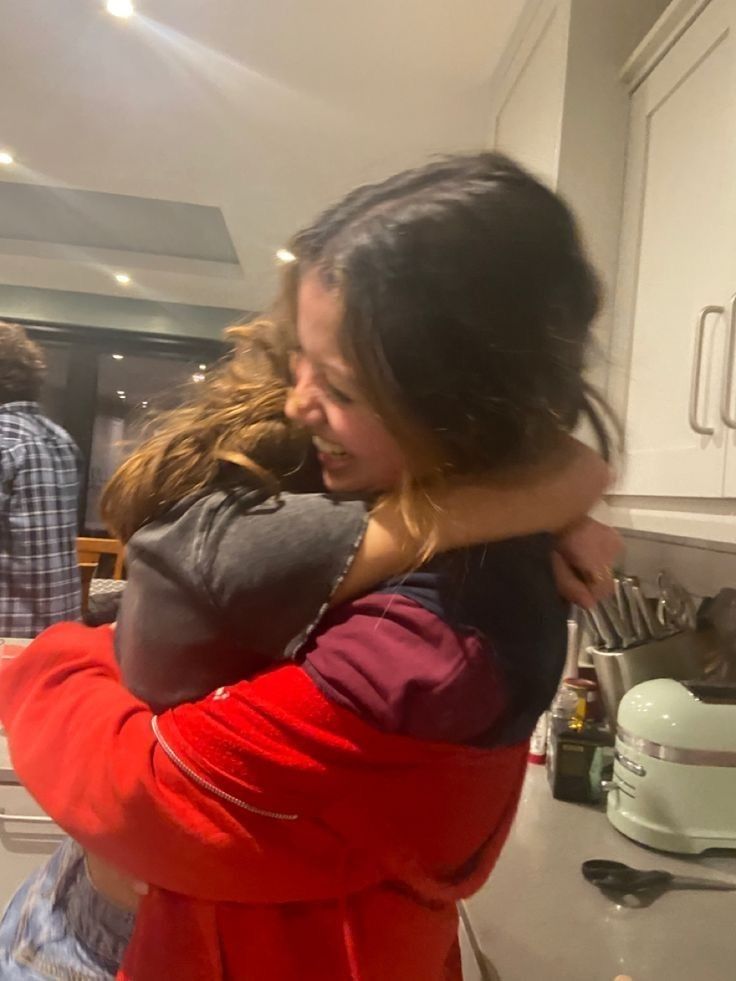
102 384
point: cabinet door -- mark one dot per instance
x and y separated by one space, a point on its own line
678 252
528 116
729 483
24 844
729 403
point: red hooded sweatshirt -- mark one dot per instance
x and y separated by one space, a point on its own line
319 822
285 839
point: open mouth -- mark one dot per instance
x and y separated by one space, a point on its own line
325 446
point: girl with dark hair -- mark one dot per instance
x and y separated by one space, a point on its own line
320 820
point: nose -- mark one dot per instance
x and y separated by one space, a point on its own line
303 404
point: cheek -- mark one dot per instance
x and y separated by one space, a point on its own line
362 433
388 453
365 436
355 428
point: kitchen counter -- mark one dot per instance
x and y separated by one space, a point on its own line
537 919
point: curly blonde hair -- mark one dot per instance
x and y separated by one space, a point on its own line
232 430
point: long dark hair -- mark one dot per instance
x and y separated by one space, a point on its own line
468 307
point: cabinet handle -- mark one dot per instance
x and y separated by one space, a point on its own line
26 818
729 367
697 365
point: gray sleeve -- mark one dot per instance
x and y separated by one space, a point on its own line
272 569
228 584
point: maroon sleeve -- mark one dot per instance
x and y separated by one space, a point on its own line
403 669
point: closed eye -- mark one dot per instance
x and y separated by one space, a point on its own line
342 398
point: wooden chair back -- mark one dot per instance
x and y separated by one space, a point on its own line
89 552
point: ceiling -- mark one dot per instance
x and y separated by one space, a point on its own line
185 145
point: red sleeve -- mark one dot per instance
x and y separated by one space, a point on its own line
258 793
246 795
86 750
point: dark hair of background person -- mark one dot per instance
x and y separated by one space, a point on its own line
22 365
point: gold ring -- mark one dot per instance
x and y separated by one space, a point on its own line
601 575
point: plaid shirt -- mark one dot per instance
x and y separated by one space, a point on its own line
39 484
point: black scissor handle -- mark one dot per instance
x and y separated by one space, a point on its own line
622 878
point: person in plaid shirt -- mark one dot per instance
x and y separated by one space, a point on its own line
39 486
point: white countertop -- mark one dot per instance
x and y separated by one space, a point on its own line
537 919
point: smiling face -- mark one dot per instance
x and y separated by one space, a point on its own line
355 450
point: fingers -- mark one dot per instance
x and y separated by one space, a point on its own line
570 585
600 583
591 548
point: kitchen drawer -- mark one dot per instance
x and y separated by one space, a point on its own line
24 845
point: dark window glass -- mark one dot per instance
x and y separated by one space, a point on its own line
53 392
101 386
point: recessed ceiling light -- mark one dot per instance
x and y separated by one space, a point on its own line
118 357
122 278
144 404
119 8
283 255
120 391
121 396
197 376
6 159
203 367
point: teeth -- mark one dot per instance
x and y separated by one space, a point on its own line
325 447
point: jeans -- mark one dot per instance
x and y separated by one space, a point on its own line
57 927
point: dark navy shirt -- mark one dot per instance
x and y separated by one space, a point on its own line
468 649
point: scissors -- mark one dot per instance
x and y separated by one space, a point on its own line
620 878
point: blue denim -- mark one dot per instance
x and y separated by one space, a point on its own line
57 927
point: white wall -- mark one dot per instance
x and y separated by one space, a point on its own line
592 159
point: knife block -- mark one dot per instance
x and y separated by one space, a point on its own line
686 656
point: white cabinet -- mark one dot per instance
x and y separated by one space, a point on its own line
728 413
27 838
678 267
527 117
559 107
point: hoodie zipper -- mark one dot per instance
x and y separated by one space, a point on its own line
209 786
